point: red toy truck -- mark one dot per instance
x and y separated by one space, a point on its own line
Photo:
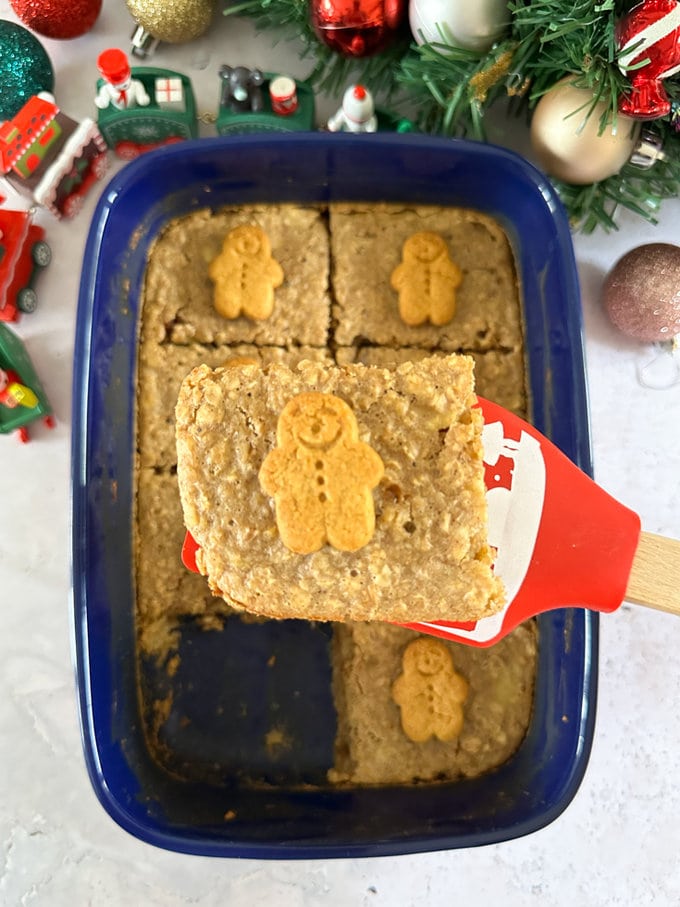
23 252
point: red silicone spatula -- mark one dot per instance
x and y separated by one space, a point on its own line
561 540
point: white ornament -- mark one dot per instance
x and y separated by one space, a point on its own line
472 24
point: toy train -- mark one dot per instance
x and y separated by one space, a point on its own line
54 160
168 113
159 105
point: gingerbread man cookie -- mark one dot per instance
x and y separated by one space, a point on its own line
245 274
429 692
426 280
321 476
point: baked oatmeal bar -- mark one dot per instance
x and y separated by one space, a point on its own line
498 376
178 293
366 247
428 557
371 747
166 591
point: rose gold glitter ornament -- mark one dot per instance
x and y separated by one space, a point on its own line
641 293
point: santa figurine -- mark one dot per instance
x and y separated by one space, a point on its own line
357 113
118 89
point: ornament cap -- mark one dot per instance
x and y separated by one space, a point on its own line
142 43
648 150
114 66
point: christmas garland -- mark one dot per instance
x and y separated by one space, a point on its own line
451 89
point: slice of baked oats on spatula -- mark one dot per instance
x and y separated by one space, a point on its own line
339 492
361 493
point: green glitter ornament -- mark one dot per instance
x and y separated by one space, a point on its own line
25 68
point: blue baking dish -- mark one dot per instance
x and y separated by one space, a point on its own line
220 815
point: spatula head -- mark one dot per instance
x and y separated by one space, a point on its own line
560 540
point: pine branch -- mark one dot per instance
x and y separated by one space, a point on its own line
440 82
451 89
330 72
637 190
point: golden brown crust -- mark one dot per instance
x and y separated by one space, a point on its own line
499 376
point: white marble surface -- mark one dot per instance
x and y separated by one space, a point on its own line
616 844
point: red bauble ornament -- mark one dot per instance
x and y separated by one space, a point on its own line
357 28
58 18
650 32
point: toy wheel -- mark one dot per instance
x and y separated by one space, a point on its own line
100 165
127 151
72 205
41 254
27 300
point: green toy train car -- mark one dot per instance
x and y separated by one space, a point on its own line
253 101
22 397
168 116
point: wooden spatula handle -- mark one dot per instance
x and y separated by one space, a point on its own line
655 576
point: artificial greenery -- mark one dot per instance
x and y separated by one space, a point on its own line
289 20
452 89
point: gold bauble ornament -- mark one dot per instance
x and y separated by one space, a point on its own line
567 141
172 21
